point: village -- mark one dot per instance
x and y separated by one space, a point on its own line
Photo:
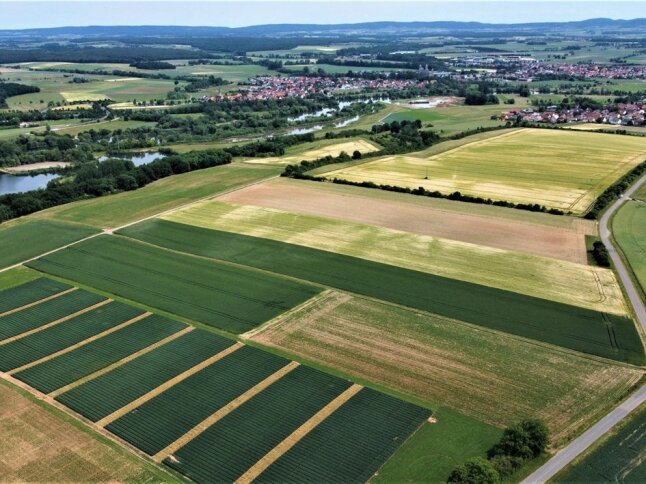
633 114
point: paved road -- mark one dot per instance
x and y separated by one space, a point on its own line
594 433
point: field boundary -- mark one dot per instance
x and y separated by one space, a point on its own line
223 412
168 384
121 362
295 437
79 344
55 322
36 303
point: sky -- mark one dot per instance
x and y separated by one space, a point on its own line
51 13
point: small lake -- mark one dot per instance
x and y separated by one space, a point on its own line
24 183
138 158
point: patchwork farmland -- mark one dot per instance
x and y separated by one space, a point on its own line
180 394
561 169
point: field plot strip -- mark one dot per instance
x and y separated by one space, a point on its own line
275 454
121 362
40 301
350 444
170 383
79 344
55 322
165 418
30 292
85 360
224 411
565 325
235 443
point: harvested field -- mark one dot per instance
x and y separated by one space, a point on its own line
585 286
87 359
231 298
562 169
333 150
451 364
600 333
40 444
531 233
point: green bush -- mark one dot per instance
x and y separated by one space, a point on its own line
475 471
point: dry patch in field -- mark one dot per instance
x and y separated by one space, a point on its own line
332 150
531 233
40 446
494 377
566 282
71 97
561 169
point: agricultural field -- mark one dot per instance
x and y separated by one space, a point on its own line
566 282
526 316
318 149
231 298
560 169
451 364
111 125
22 241
162 195
29 293
620 457
56 125
177 393
629 230
40 443
596 127
527 232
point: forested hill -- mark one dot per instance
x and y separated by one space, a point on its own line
600 25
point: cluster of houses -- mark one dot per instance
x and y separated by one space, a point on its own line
276 87
617 115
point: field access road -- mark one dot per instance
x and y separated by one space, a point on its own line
594 433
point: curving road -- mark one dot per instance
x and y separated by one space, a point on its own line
565 456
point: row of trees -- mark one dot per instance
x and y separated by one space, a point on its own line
519 444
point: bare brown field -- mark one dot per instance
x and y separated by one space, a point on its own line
39 446
487 375
532 233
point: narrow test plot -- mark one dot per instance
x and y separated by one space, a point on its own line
30 292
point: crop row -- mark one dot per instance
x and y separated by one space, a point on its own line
29 292
35 316
168 416
232 298
227 449
351 444
552 322
58 337
87 359
104 395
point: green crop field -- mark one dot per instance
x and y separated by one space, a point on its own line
60 336
165 194
560 169
168 416
621 457
46 312
547 278
451 365
109 125
30 292
235 299
80 362
227 449
22 241
629 230
351 444
576 328
104 395
17 276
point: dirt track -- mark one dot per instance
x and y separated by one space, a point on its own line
420 215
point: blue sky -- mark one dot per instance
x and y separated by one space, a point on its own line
25 14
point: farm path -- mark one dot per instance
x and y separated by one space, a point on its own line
584 441
111 231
